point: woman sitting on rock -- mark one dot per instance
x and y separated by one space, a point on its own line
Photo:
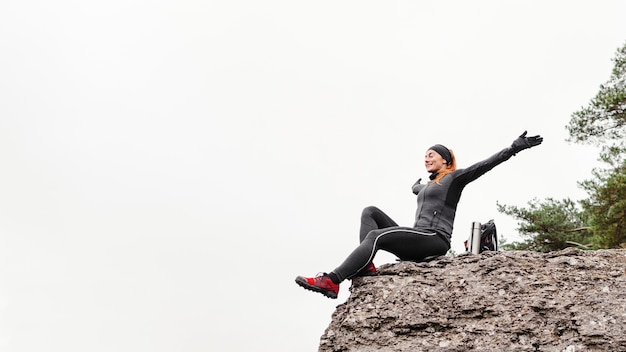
431 233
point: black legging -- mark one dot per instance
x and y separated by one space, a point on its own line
379 231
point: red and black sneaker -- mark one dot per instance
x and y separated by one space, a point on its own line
321 283
369 270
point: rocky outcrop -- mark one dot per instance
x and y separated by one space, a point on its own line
570 300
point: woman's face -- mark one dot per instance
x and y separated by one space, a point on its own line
434 162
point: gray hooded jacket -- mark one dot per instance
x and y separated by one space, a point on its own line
436 203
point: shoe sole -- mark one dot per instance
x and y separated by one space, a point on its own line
303 283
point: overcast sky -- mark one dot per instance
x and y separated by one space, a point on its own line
169 167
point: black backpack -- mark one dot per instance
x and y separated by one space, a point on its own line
488 237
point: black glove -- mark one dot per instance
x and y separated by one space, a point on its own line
522 142
417 186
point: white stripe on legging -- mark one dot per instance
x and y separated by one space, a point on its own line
388 232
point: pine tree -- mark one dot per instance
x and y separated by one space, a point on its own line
600 220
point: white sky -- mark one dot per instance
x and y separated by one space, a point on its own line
169 167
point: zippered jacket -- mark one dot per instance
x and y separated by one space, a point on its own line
436 203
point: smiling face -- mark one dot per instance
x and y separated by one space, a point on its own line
434 162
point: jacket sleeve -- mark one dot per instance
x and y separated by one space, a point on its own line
473 172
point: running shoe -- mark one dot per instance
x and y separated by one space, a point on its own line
369 270
321 283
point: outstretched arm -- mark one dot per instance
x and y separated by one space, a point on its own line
480 168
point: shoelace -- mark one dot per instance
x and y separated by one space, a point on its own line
320 276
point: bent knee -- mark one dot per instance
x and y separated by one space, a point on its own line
370 210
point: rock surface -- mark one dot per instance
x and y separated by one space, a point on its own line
567 301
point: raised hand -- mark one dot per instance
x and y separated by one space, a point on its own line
522 142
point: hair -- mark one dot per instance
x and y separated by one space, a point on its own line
449 168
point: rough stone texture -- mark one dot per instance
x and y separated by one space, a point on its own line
568 301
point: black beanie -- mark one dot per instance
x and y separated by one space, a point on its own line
443 151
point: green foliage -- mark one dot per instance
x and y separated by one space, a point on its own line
606 206
549 225
603 121
601 223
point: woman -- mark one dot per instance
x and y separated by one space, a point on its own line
434 218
